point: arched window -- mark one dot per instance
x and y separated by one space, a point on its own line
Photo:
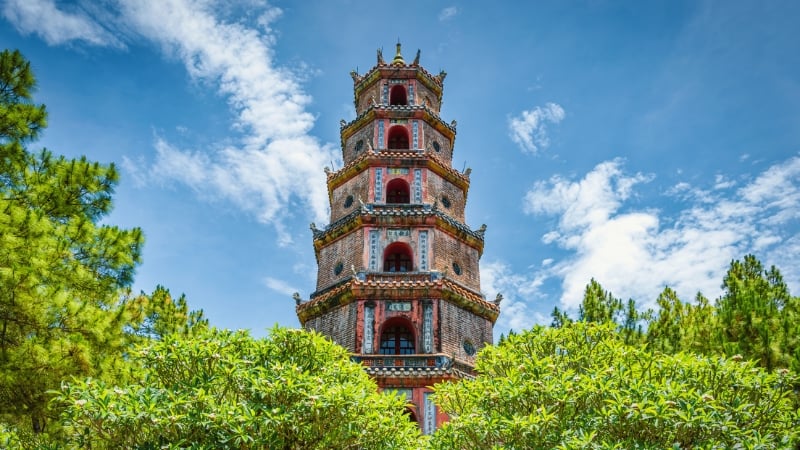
397 258
397 191
398 95
398 138
397 339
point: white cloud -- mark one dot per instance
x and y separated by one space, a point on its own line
529 130
279 286
517 290
276 160
55 26
634 254
448 13
720 182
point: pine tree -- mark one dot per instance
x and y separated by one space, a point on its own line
665 333
61 269
750 311
599 305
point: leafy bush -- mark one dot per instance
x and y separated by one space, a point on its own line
223 389
580 387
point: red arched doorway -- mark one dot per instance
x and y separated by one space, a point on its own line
398 138
398 191
398 95
397 258
397 338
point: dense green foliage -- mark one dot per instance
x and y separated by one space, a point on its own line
581 386
221 389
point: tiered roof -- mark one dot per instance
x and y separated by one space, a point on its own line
364 286
417 158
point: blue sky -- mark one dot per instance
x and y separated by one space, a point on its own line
643 144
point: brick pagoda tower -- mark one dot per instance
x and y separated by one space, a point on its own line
398 282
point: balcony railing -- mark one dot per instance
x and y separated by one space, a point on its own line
389 277
432 361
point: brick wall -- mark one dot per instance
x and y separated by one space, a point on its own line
424 96
447 250
338 324
438 187
348 250
365 100
430 135
457 325
358 187
365 135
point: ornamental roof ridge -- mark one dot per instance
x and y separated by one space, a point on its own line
478 234
418 154
419 209
362 282
465 291
327 292
333 174
377 106
404 283
438 79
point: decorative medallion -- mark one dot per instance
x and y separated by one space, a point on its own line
469 347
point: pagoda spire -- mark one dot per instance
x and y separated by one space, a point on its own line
398 57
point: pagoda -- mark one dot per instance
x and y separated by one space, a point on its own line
398 281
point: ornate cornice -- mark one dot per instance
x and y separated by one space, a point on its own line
393 215
408 158
361 286
397 112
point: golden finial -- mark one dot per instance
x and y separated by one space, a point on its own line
398 58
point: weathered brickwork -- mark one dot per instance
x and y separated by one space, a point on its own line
457 326
427 98
358 187
352 149
445 152
447 196
339 325
346 251
448 251
370 95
